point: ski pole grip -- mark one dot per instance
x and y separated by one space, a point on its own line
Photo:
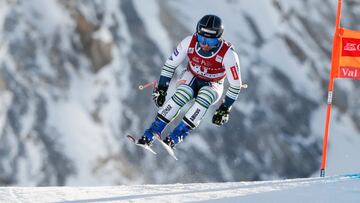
244 86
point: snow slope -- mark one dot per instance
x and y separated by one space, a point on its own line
344 188
68 92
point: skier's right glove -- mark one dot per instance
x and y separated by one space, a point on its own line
221 115
159 95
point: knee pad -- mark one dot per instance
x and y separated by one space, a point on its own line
206 97
183 95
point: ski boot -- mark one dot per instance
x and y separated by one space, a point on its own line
178 134
155 130
145 141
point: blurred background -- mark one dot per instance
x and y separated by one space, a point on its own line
69 77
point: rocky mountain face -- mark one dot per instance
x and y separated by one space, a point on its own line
69 72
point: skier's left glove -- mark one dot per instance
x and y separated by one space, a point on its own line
221 115
159 95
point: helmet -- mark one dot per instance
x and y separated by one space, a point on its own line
210 26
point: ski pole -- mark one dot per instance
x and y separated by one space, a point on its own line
150 84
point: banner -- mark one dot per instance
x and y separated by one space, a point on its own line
349 55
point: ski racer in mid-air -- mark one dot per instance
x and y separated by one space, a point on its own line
211 59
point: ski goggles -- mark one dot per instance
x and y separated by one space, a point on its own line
209 41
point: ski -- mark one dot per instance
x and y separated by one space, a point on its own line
135 141
167 148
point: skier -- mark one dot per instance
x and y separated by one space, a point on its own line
210 60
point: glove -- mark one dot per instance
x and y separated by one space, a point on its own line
159 95
221 115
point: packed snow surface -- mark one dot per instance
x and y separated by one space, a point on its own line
345 188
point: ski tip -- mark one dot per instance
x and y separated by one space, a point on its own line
174 156
131 138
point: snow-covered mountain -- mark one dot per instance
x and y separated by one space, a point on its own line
69 72
336 189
